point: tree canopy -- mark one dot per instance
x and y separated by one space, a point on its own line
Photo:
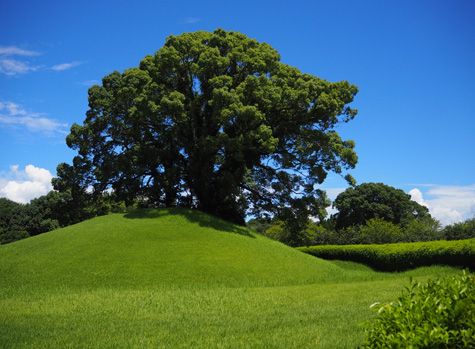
359 204
213 121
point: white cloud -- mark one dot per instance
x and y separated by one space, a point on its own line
416 196
12 114
332 193
13 50
65 66
448 204
26 185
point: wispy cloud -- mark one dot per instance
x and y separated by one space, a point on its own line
191 20
13 62
13 66
13 115
16 51
90 83
65 66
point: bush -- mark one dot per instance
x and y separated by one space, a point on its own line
440 314
11 236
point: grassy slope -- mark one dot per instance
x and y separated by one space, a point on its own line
176 278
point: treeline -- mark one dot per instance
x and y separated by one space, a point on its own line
49 212
371 213
375 231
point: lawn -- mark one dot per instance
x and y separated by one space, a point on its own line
177 278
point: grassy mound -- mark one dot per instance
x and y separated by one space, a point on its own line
169 247
176 278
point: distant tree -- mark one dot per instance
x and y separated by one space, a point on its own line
260 225
213 121
423 229
379 231
40 215
461 230
318 235
375 200
12 215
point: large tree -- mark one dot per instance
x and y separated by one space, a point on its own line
216 122
366 201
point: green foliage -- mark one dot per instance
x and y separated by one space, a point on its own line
213 121
12 215
374 231
314 234
423 229
359 204
379 231
318 235
401 256
11 236
260 225
439 314
459 231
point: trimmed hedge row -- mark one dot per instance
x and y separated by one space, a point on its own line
401 256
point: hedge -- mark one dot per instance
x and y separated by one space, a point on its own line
401 256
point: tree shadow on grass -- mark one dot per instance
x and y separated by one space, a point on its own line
193 216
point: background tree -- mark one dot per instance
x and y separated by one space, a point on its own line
213 121
375 201
12 215
423 229
461 230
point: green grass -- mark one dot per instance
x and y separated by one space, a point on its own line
178 278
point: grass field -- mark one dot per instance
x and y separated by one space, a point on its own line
177 278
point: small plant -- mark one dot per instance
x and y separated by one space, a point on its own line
440 314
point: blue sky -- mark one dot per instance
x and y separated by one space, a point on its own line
412 60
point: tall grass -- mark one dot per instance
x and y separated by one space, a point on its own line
177 278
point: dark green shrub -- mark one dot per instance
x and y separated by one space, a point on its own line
11 236
439 314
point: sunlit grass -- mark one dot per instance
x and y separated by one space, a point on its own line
171 279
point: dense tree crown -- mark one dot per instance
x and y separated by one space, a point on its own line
376 200
216 122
